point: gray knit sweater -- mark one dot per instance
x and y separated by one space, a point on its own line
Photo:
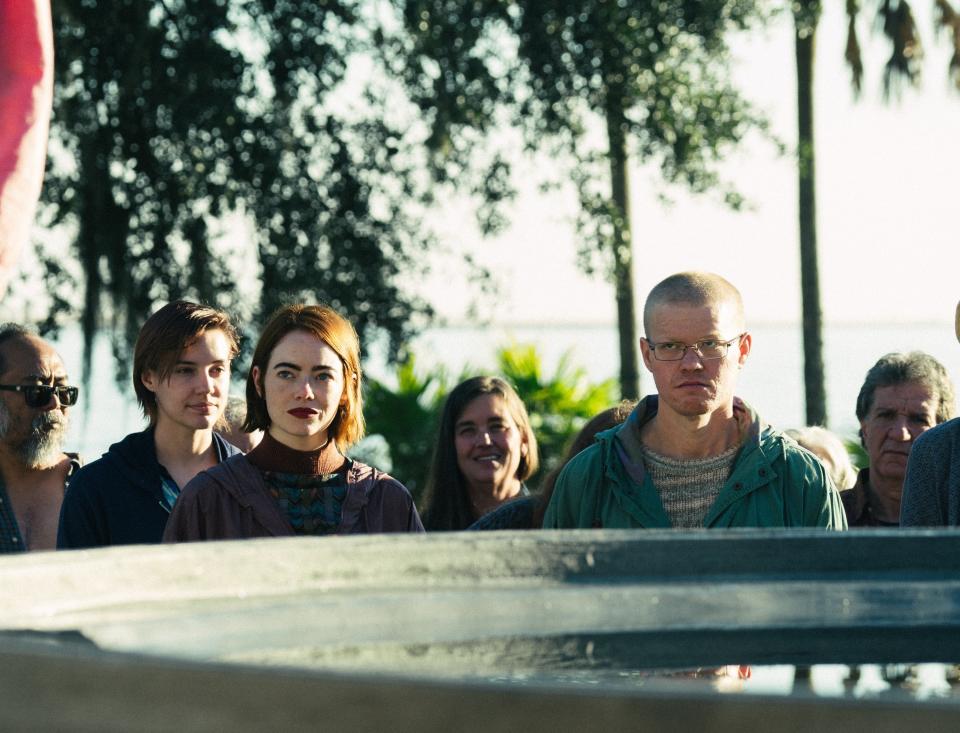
931 489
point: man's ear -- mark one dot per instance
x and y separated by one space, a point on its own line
646 352
746 343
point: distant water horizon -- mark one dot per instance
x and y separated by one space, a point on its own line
771 381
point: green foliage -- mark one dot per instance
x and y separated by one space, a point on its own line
858 454
559 404
170 115
408 416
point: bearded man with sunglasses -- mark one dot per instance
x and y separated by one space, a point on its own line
694 455
34 470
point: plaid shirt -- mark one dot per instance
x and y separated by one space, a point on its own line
10 538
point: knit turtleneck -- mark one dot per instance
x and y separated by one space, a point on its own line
272 455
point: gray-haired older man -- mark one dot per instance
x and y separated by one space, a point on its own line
34 470
903 396
931 489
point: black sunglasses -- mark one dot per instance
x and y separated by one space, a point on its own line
38 395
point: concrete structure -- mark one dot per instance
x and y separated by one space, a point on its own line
497 631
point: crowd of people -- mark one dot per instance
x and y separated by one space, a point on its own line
693 454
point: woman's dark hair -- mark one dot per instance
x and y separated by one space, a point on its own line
605 420
446 505
165 335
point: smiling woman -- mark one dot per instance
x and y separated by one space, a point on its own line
484 452
304 391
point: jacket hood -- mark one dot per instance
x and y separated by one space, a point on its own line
135 458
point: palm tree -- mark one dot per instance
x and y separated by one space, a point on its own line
806 16
895 19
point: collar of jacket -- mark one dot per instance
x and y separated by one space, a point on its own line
244 482
856 500
135 458
638 496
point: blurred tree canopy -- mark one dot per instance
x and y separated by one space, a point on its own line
593 83
170 116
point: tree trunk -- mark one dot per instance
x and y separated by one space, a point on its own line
815 391
623 250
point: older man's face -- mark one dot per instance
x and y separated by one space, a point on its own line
34 434
899 413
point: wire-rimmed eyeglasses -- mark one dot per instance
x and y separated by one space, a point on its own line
705 349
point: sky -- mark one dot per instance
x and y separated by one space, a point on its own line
886 202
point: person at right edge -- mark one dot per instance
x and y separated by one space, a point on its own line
931 487
694 455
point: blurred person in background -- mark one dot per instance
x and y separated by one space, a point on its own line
234 416
304 391
903 396
485 451
931 487
181 376
831 451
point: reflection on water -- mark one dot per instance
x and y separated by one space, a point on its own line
919 681
868 681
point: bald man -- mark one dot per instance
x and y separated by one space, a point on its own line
694 455
35 397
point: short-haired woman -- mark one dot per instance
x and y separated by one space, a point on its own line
304 392
181 376
484 452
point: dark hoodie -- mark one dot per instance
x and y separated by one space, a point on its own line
118 499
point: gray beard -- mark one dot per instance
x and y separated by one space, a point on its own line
42 447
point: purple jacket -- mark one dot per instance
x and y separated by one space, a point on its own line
231 501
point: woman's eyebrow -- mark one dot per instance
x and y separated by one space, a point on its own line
286 365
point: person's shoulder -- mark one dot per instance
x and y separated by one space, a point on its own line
783 451
232 471
776 441
225 448
373 479
588 459
93 475
939 435
515 514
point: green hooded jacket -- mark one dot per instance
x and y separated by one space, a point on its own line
774 483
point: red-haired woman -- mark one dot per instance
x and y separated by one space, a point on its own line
304 392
